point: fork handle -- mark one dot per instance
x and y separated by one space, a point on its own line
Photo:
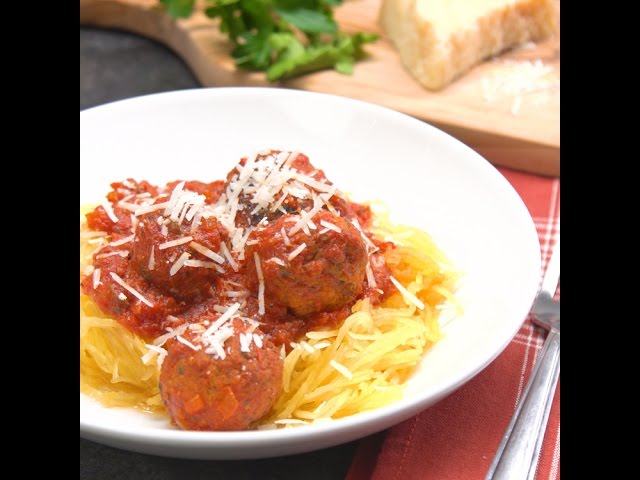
515 454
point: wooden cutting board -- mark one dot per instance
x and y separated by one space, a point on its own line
507 109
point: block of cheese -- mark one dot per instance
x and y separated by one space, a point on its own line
439 40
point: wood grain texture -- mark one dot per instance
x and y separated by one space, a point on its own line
521 131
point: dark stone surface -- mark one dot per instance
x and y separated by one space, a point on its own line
115 66
101 462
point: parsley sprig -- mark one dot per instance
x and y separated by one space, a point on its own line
284 38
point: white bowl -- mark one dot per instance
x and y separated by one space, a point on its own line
426 177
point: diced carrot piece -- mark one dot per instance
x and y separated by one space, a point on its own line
194 404
228 403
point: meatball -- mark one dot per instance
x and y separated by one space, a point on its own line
206 392
188 284
251 209
327 274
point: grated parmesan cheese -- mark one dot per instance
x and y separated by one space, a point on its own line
207 252
171 333
245 342
150 208
175 243
232 294
409 297
154 350
152 258
227 254
132 207
179 263
371 247
285 237
202 264
186 342
109 209
297 251
96 278
130 289
532 82
228 314
261 308
307 215
277 261
122 253
173 199
122 241
330 226
371 279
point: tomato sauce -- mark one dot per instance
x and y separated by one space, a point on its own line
313 290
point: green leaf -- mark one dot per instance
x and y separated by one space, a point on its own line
286 44
287 38
361 38
254 52
310 59
293 4
257 14
222 3
341 54
344 65
178 8
310 21
231 20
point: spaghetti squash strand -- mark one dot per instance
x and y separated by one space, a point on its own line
360 366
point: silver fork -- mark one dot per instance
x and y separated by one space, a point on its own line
517 455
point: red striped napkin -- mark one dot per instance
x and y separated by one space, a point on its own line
457 438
